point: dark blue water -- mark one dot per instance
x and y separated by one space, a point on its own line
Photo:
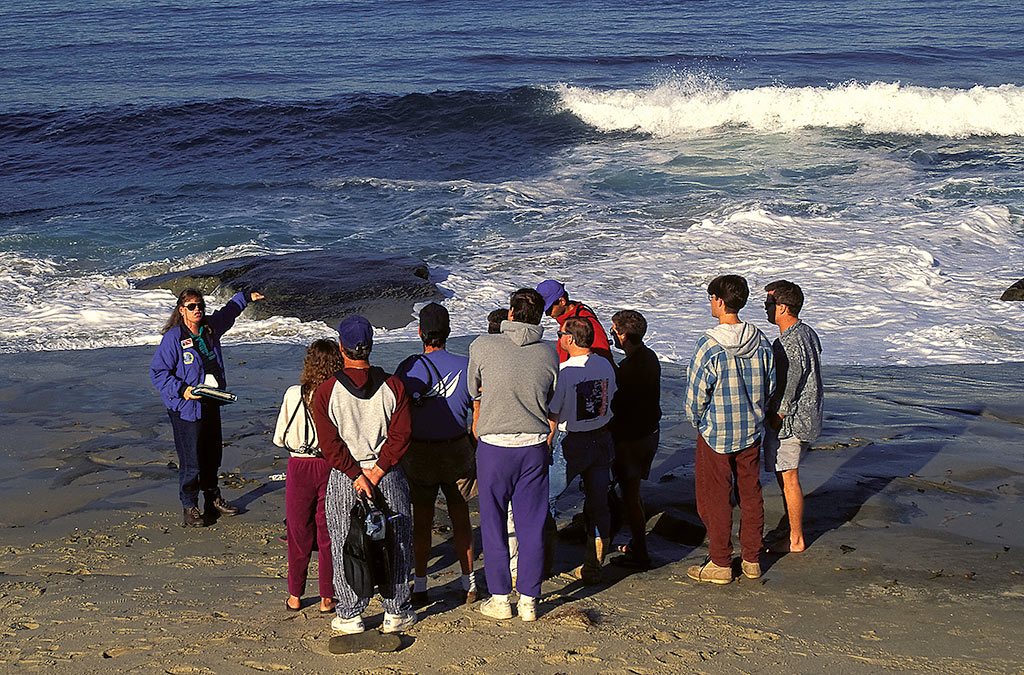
142 137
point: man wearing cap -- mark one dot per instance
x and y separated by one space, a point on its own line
558 306
364 425
513 374
441 454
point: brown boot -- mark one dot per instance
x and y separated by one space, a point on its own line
590 571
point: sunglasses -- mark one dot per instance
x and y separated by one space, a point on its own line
193 305
768 304
562 333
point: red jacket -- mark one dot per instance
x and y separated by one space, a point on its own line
600 345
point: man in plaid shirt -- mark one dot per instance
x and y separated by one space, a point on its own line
730 379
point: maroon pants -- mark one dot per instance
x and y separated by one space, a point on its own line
304 491
715 474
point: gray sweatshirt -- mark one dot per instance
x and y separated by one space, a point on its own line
799 392
516 374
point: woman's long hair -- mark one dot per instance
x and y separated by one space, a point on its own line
322 361
183 299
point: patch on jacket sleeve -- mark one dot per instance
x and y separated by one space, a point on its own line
188 357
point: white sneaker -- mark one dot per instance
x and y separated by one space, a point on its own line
527 608
348 626
396 623
496 608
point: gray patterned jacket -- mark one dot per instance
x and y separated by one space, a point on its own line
798 392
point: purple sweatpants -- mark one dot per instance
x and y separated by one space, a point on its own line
519 476
304 491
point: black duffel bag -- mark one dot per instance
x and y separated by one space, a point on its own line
367 562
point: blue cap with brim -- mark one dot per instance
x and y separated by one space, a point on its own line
355 331
551 291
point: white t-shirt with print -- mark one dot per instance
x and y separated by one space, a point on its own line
583 394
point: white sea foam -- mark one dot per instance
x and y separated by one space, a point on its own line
689 106
887 282
887 291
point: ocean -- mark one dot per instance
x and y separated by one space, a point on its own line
870 151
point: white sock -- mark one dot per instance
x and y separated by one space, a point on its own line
419 584
525 598
500 598
469 582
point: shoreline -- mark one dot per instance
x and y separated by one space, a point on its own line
915 508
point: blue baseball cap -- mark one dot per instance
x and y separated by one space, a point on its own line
355 331
551 291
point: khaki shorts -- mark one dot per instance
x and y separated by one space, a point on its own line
446 465
782 454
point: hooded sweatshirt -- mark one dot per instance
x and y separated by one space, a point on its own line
513 374
729 383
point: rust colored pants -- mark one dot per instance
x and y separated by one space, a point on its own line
715 475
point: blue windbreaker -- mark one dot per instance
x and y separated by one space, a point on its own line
177 364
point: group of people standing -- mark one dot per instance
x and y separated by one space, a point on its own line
485 425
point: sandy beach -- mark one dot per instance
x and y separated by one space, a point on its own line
914 511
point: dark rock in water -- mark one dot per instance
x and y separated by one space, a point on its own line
1015 292
314 285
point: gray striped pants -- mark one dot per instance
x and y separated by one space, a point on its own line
341 497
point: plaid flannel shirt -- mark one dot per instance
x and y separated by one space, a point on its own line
726 395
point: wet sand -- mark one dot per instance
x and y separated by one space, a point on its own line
914 517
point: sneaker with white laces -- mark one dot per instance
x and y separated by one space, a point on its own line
527 608
396 623
496 608
348 626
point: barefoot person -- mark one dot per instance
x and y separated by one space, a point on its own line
513 374
189 355
581 407
305 487
635 427
441 455
729 382
363 422
795 410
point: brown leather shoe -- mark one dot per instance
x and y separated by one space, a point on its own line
192 517
223 507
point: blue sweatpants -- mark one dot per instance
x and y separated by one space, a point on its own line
519 476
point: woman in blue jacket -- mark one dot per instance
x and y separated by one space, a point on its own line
189 355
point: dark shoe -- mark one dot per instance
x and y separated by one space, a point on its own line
468 597
420 599
223 507
631 561
193 518
288 606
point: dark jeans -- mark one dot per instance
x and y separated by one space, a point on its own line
589 454
199 449
715 477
